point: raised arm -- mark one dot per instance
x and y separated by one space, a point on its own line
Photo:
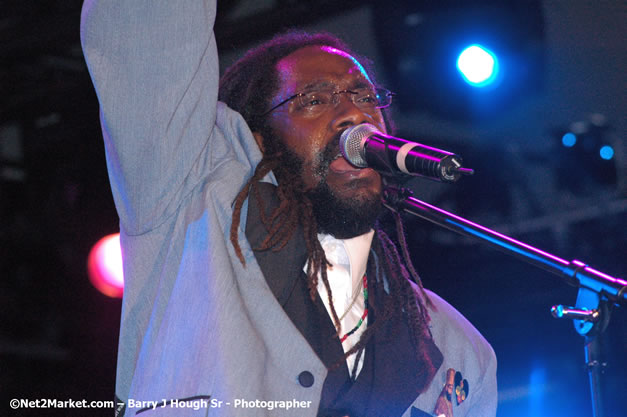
155 69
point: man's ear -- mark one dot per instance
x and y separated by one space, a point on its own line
259 140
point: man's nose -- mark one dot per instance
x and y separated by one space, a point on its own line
346 113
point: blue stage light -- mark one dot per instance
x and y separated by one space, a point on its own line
606 152
569 140
478 65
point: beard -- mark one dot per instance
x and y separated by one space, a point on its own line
339 217
343 218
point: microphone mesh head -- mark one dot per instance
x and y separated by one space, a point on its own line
352 143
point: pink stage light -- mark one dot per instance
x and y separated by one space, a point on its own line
104 266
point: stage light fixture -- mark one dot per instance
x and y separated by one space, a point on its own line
104 266
569 140
478 66
496 47
606 152
588 154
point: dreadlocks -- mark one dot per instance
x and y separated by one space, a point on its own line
248 87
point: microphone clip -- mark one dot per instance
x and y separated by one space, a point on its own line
393 197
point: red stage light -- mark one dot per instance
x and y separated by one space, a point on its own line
104 266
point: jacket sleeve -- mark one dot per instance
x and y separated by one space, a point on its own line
154 66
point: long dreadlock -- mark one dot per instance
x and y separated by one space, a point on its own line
247 87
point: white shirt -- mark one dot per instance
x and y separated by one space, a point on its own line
349 259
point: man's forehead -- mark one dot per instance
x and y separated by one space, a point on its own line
312 65
344 54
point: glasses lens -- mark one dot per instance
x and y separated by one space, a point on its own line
313 102
365 99
384 98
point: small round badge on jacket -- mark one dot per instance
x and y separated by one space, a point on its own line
461 388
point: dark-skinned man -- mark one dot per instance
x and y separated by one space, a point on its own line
258 280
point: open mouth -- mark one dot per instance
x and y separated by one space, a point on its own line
340 165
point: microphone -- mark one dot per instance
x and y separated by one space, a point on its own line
364 146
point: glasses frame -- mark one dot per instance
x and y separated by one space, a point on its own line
385 91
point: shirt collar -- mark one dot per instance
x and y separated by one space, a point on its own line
354 257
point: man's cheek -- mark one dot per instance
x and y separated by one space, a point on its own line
311 177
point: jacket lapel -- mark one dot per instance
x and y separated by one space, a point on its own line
283 270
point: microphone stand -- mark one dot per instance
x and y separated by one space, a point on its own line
597 291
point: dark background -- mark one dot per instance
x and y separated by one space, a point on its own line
58 334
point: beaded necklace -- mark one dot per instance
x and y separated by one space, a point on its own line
363 316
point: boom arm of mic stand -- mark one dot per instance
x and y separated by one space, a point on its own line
574 272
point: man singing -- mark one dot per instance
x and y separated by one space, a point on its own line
256 268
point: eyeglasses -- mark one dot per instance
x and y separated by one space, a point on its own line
314 103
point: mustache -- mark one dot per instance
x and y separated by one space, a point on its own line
330 152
